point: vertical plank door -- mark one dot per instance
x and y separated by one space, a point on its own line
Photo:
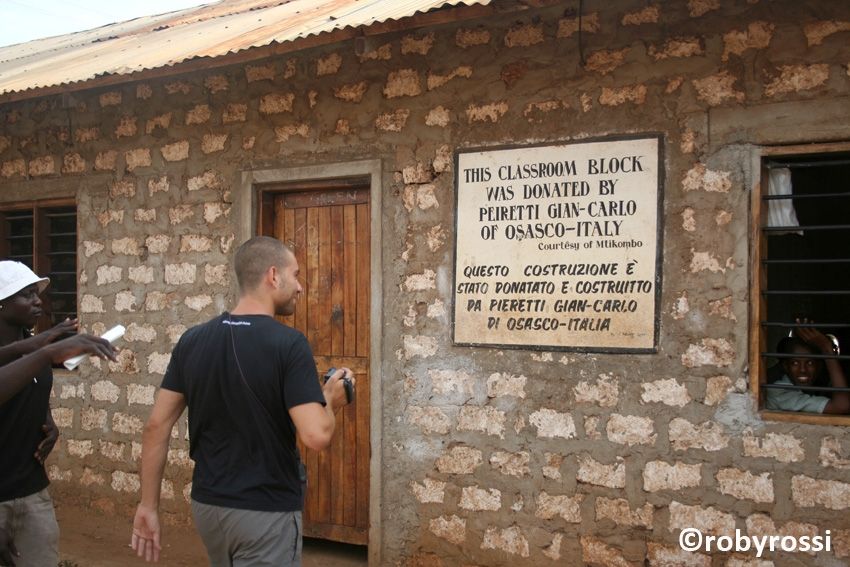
329 230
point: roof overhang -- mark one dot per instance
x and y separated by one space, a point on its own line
216 35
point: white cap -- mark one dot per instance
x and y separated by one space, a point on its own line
15 276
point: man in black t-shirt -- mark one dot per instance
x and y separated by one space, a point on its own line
250 384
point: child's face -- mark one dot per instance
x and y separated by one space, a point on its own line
802 370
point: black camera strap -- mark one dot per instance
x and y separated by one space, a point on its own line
259 403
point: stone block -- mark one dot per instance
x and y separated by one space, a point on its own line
510 540
428 419
565 507
460 459
605 392
593 472
199 114
477 499
659 475
450 528
631 430
488 420
708 436
429 491
550 423
276 103
513 464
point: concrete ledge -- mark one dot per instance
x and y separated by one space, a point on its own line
780 123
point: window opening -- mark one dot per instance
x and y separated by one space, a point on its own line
45 239
805 265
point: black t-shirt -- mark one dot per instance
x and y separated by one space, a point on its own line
240 375
21 419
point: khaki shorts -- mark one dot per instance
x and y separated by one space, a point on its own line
238 538
31 522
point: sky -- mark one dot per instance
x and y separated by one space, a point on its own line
25 20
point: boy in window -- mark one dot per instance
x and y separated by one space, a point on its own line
801 370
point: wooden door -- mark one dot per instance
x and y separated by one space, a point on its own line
329 230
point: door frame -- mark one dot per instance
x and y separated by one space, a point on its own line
247 206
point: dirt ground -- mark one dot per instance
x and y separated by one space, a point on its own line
90 539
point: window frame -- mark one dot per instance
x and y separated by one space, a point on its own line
758 281
39 209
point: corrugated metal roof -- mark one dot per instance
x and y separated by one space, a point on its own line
211 30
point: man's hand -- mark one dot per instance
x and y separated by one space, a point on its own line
51 434
66 327
61 351
334 389
815 338
146 533
7 549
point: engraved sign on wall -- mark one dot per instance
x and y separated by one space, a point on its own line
557 246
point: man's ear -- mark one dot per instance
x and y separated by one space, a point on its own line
273 277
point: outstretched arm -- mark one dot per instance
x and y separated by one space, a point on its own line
839 403
15 375
17 349
146 529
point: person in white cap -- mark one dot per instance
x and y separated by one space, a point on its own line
29 534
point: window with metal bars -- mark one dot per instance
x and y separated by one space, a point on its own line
44 237
803 280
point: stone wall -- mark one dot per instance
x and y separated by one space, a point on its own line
490 457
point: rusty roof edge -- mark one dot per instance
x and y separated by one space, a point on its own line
167 21
84 37
460 11
143 24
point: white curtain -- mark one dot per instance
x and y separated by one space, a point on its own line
780 212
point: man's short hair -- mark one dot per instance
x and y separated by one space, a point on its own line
255 256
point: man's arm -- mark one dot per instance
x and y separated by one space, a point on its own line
166 410
51 434
17 349
314 423
839 402
15 375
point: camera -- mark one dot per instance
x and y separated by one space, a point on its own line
346 382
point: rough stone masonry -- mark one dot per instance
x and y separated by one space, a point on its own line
490 457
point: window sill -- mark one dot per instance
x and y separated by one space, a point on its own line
803 417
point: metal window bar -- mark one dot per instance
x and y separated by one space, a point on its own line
813 388
813 163
807 196
805 325
808 261
805 292
805 227
797 355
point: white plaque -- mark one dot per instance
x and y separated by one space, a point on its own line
557 246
